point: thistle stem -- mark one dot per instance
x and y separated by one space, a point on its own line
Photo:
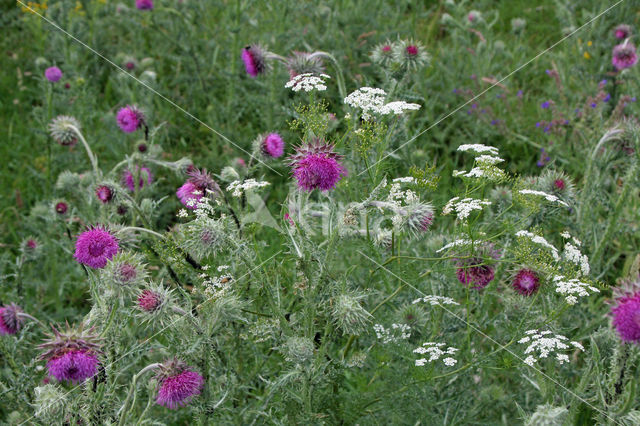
92 158
132 391
136 228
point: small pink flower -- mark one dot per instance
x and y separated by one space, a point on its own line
95 246
199 184
144 4
386 48
53 74
143 173
130 119
273 145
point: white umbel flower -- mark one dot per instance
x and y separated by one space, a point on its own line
572 288
307 82
549 197
435 352
541 344
537 239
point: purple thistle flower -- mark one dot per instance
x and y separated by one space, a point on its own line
95 246
177 384
61 207
255 60
74 366
199 184
526 282
189 195
10 321
150 301
622 31
72 355
53 74
130 119
626 317
104 194
144 4
472 271
129 179
273 145
624 56
316 165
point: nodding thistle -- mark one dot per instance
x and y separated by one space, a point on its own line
298 350
348 315
178 384
62 130
125 270
71 355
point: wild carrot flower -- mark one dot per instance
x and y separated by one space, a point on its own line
10 321
130 119
626 312
177 384
144 4
143 173
255 60
622 31
62 130
53 74
316 165
624 56
526 282
95 246
199 184
72 355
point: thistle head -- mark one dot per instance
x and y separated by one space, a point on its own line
316 165
178 384
255 60
10 320
63 130
304 63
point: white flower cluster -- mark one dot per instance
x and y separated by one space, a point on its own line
544 343
464 207
182 213
307 82
371 101
479 148
572 288
539 240
567 236
485 163
434 300
573 255
394 334
406 179
456 243
549 197
435 353
217 286
238 187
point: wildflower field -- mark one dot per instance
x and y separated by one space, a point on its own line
348 212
